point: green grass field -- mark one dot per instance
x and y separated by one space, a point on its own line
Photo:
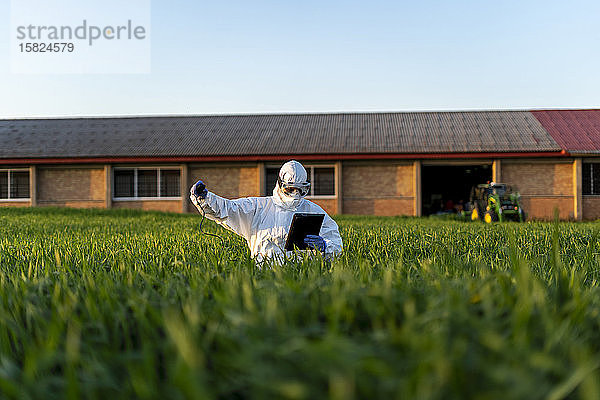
125 304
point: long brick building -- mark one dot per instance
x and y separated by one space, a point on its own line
359 163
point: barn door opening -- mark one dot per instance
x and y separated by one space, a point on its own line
446 188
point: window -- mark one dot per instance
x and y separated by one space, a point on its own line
124 182
14 184
590 178
271 179
139 183
322 180
169 183
147 183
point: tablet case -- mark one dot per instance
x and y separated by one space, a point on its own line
303 224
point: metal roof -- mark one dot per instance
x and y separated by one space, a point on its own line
576 131
284 134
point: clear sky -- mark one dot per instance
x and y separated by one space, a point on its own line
303 56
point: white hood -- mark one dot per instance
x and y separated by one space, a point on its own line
290 172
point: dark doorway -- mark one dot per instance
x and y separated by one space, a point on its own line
446 188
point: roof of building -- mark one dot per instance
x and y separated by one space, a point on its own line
282 134
576 131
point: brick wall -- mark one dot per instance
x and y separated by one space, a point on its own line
154 205
15 204
228 182
544 186
378 189
539 178
70 187
329 205
591 207
231 182
542 208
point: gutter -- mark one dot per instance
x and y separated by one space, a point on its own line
281 157
579 153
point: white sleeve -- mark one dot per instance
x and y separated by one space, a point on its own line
331 234
235 215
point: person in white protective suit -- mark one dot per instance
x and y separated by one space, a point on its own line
265 221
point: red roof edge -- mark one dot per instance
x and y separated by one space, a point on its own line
573 130
281 157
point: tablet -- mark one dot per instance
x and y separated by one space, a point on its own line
303 224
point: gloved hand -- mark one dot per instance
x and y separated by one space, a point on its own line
199 190
315 242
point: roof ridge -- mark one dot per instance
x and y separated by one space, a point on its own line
284 114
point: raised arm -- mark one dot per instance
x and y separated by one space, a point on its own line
235 215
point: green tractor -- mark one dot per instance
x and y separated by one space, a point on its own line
493 202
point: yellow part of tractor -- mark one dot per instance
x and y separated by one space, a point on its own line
496 202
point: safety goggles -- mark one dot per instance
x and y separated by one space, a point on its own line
291 189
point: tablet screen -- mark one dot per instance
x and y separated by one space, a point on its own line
303 224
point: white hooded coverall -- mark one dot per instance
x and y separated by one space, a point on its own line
265 221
